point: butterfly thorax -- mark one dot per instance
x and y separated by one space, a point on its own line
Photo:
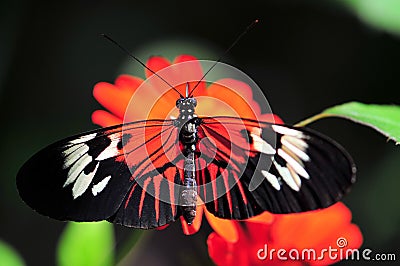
186 109
188 122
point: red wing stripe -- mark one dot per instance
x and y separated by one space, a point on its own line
171 186
157 182
141 203
241 189
201 174
130 195
214 190
228 192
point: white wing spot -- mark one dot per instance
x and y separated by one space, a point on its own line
295 176
297 146
299 143
75 155
70 149
286 176
77 168
287 131
83 182
83 138
261 145
273 180
99 187
295 164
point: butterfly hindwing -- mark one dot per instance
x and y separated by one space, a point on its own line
154 198
143 206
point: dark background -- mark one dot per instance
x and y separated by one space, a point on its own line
306 56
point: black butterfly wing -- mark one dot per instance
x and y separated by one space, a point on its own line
101 175
304 171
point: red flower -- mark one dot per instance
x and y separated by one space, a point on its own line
116 97
233 242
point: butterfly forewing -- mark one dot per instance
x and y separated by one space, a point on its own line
88 178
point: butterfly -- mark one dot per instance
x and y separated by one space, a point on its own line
146 174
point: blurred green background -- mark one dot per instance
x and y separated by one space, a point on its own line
305 55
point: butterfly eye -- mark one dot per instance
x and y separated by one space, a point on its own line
178 102
193 101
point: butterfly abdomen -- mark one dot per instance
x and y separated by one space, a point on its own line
188 199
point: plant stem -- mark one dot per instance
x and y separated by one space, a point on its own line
311 119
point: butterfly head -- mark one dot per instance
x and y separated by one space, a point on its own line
186 103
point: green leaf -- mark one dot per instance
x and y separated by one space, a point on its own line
87 244
8 256
382 14
383 118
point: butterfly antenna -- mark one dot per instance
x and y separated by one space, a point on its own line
140 62
226 51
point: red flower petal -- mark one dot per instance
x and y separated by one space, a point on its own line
156 63
195 72
224 228
235 97
264 218
272 118
128 83
112 98
167 95
195 226
185 58
326 222
105 119
225 253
